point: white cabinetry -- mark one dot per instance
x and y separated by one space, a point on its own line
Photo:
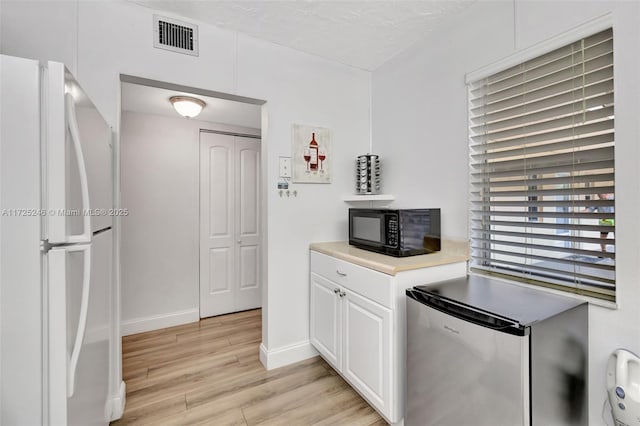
367 349
326 319
358 325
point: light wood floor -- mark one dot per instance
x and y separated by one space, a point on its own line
209 373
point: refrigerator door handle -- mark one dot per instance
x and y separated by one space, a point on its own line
74 131
82 320
58 351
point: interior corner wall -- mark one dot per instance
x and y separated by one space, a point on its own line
115 37
303 89
420 131
420 111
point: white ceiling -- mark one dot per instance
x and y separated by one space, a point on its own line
363 34
154 100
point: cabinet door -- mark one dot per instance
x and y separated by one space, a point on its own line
367 350
326 321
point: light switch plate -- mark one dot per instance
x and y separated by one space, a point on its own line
285 167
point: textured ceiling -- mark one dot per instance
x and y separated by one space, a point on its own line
363 34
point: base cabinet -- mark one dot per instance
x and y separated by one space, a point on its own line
357 323
326 320
366 350
353 335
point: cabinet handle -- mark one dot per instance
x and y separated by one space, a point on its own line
336 290
343 294
342 274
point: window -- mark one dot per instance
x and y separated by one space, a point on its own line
542 169
533 208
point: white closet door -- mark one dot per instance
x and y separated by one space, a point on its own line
247 203
229 224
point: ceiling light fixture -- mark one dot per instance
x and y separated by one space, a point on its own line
187 106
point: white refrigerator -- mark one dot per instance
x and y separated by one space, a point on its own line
58 338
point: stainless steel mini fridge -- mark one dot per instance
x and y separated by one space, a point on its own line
486 352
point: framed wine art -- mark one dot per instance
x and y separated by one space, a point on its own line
311 154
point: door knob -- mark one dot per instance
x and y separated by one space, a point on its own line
336 290
343 294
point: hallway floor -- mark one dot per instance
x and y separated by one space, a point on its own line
209 373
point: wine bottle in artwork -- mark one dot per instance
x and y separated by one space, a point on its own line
313 149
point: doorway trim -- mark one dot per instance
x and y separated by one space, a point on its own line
126 78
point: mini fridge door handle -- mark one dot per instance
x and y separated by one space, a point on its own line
469 314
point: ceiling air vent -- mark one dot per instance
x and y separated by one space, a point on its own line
175 35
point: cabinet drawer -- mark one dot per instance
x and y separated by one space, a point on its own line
329 267
364 281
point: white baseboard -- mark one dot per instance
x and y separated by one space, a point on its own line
156 322
286 355
117 402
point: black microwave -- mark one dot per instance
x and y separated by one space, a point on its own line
400 233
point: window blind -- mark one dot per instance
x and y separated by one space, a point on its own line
542 170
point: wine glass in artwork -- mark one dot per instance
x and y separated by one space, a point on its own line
307 158
321 156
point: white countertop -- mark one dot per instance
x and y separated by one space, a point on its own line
453 251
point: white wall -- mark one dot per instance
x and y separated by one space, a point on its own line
116 37
159 258
420 125
419 112
43 30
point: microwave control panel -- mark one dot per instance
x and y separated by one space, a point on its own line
392 230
